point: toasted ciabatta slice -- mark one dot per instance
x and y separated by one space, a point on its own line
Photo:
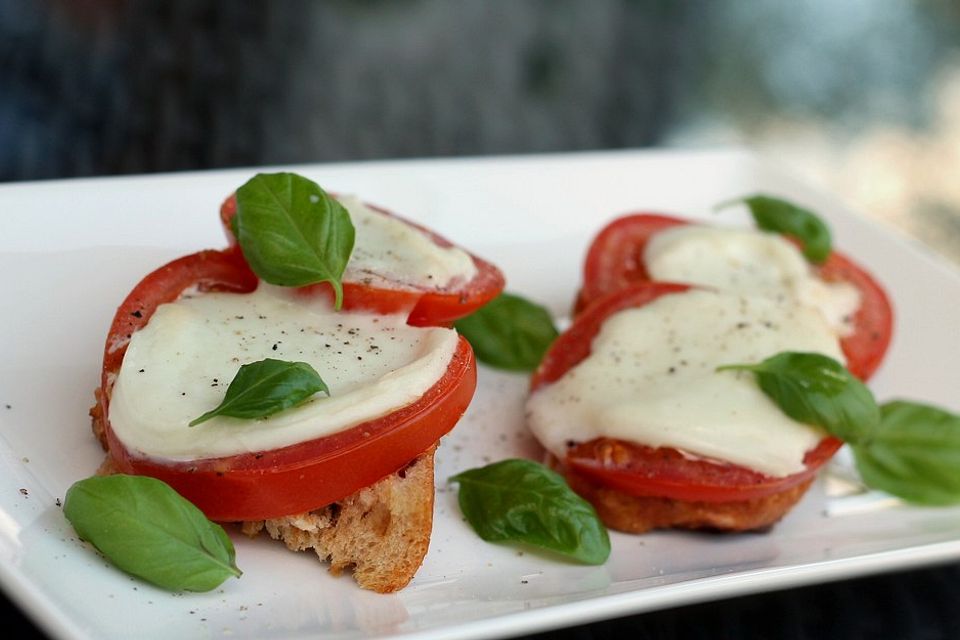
638 514
382 531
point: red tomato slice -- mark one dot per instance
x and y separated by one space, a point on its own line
573 345
427 306
292 479
667 473
645 471
873 321
615 260
206 270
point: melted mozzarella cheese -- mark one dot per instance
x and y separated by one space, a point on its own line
179 366
388 252
651 379
750 262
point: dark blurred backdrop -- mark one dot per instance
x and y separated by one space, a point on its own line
116 87
860 96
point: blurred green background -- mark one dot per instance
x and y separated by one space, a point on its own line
861 97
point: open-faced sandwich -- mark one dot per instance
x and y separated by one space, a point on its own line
648 404
298 381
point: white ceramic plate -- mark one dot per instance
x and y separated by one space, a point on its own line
70 251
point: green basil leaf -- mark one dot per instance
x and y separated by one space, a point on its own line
148 530
773 214
815 389
509 332
913 454
523 501
263 388
292 233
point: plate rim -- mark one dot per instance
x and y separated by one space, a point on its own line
43 610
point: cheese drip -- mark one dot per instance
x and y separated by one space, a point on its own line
750 262
390 253
651 379
180 364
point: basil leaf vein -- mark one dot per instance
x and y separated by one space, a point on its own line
292 233
519 500
265 387
147 529
914 453
907 449
509 332
815 389
780 216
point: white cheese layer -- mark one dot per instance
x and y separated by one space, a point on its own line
750 262
651 379
180 365
388 252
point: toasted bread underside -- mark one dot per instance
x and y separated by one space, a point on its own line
637 514
382 531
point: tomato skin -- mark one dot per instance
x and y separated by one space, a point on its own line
647 471
615 257
615 260
573 345
616 278
292 479
313 474
426 306
873 320
207 270
666 473
228 209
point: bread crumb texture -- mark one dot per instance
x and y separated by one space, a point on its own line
382 532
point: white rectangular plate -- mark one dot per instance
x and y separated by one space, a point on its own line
70 251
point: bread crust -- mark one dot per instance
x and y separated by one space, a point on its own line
381 532
638 514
